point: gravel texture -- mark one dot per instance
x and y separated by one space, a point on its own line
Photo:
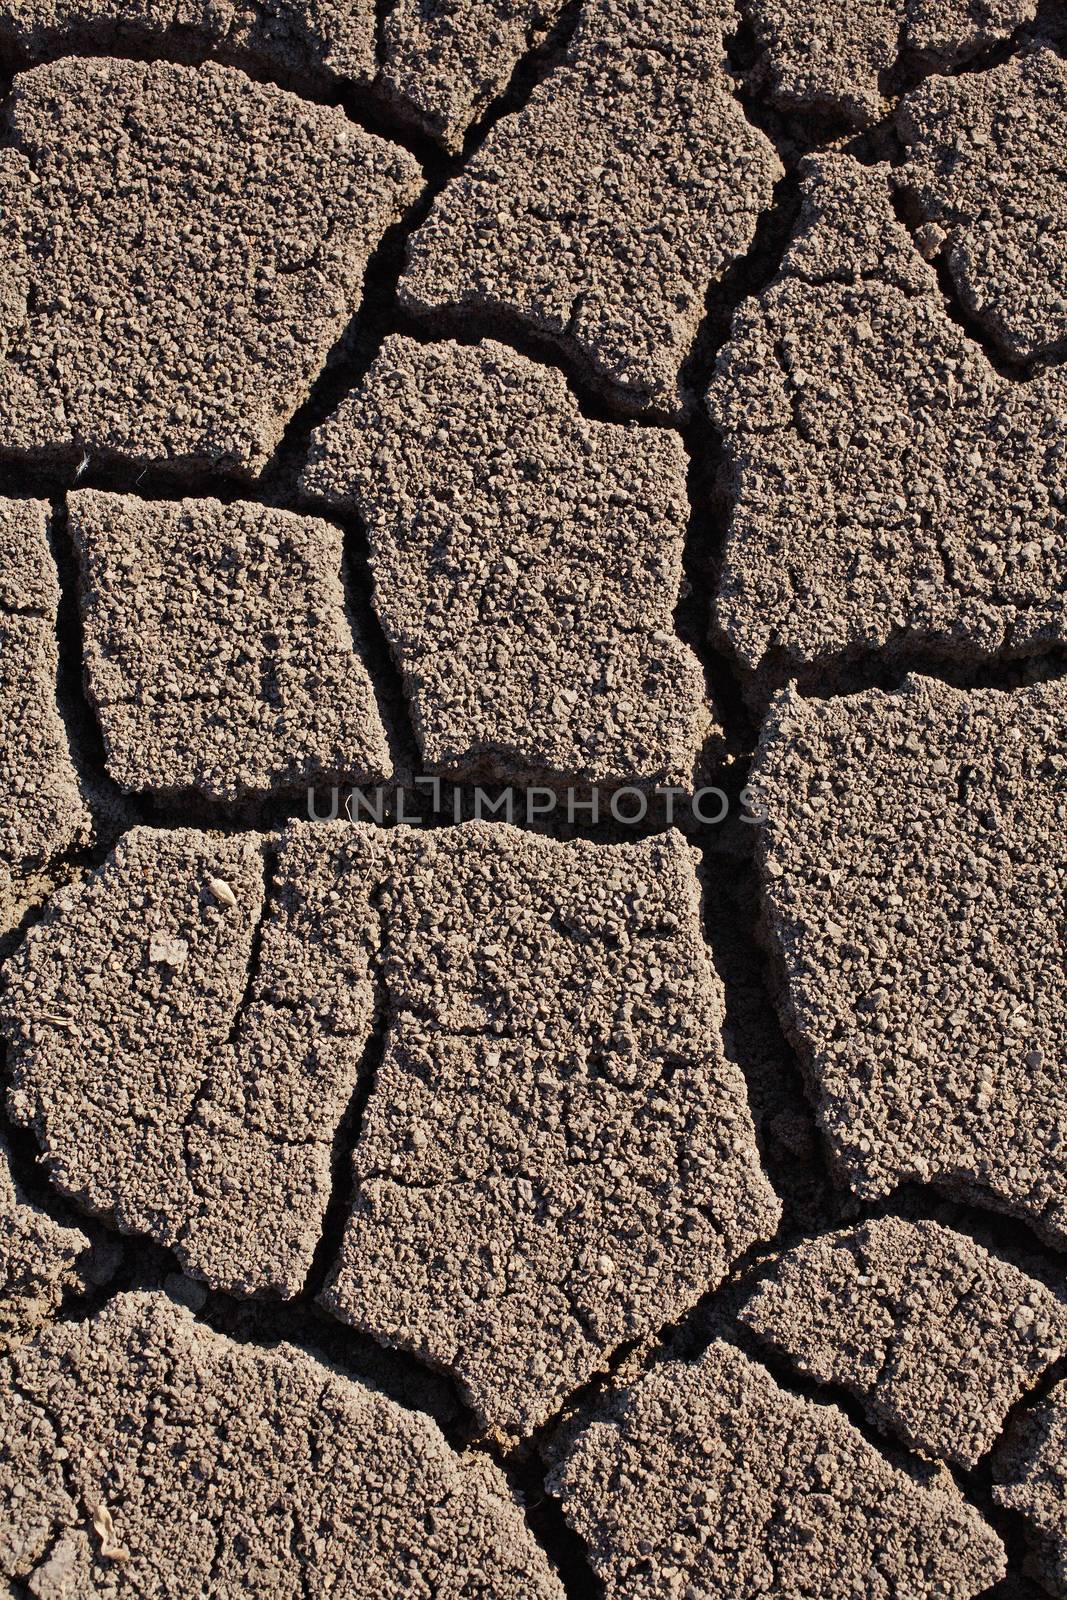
235 221
441 64
914 875
708 1479
993 200
578 396
833 59
219 653
889 490
530 1121
598 215
35 28
530 603
42 811
160 1422
937 1337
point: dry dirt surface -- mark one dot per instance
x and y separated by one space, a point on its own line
533 800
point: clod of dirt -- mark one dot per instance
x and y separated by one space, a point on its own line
42 811
833 57
599 214
1031 1473
556 1157
164 1459
709 1479
41 1261
235 221
914 875
938 1338
985 171
197 1100
890 491
218 653
526 562
444 64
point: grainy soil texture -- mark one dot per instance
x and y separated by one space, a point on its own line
533 800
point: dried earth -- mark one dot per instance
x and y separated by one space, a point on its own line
506 409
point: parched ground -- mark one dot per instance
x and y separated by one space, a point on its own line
564 424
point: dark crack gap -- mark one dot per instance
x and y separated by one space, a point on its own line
379 313
793 132
790 1143
372 647
383 10
343 1186
526 1470
112 811
531 69
887 668
30 1172
709 499
913 66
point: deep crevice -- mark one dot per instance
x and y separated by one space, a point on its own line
709 503
112 811
371 645
531 69
913 65
526 1470
343 1187
887 667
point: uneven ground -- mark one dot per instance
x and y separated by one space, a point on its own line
591 396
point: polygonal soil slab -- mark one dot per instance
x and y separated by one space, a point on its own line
219 655
556 1156
832 58
527 564
937 1337
891 492
42 812
598 216
1031 1474
985 171
195 1465
708 1479
185 1051
914 875
177 267
41 1261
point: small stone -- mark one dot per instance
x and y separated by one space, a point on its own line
167 951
